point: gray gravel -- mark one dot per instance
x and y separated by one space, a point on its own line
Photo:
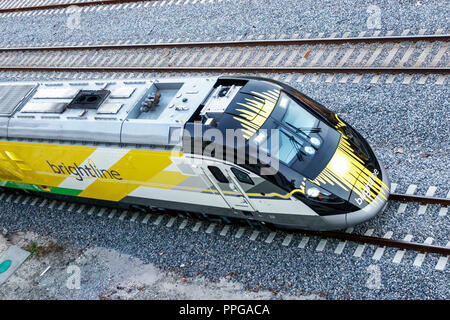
69 271
227 19
256 265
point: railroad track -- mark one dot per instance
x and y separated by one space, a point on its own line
401 244
29 5
392 55
171 219
235 43
421 54
17 8
419 199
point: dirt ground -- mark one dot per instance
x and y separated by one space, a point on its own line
57 270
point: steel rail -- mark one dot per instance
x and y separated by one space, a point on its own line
381 242
375 70
51 6
421 199
231 43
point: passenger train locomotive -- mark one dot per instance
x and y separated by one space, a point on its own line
135 142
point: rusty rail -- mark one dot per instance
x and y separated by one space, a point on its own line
61 5
421 199
231 43
381 242
376 70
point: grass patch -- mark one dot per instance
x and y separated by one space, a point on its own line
36 250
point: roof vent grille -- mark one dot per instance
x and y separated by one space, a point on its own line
12 95
88 99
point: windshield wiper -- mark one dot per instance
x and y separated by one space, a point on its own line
312 130
293 131
297 146
302 130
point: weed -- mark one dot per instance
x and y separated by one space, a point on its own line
39 250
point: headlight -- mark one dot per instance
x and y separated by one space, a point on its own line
309 150
315 141
313 192
340 164
317 194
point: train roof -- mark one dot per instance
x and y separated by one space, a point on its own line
148 111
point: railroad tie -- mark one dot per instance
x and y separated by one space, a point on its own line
210 228
321 245
341 245
423 207
270 237
400 253
197 226
146 218
239 233
421 256
359 250
443 211
287 240
254 235
303 243
171 222
442 260
410 191
134 217
380 251
17 200
225 230
183 224
112 213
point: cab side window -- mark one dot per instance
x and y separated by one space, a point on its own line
242 176
218 174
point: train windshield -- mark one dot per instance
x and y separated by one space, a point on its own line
296 130
297 137
294 115
298 134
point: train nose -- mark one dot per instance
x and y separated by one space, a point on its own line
371 201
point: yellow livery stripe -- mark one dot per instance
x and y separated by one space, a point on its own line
136 168
29 162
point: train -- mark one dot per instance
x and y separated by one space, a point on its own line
228 147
